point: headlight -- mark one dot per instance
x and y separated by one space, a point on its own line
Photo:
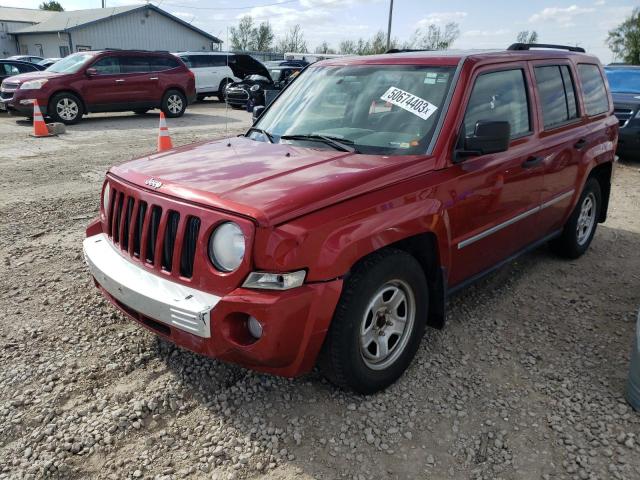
33 84
255 88
105 197
226 247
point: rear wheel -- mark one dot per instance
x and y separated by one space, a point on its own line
66 108
579 230
174 103
378 323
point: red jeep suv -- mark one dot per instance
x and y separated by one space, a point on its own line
102 81
373 187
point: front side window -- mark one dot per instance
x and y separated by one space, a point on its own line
107 66
70 64
557 95
593 89
378 109
499 96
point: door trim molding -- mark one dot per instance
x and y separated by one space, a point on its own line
511 221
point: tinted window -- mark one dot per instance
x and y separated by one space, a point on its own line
499 96
187 60
595 94
25 68
205 61
134 64
9 69
107 66
158 64
557 95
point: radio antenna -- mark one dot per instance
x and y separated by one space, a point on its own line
224 93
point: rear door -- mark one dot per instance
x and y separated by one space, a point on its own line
561 138
203 70
495 197
140 83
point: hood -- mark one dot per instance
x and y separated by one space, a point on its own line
271 183
626 99
24 77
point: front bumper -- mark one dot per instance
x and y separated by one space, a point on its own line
629 139
21 102
294 321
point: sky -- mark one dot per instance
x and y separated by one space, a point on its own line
483 24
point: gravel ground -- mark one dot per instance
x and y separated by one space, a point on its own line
527 380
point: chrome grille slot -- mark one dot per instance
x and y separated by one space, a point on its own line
168 245
623 115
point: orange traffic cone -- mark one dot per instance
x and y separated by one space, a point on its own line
39 127
164 140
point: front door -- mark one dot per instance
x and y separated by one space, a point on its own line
493 199
105 87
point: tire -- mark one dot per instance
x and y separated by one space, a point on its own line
579 230
174 104
65 108
223 86
141 111
351 356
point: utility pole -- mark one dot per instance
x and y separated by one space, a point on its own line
389 27
104 3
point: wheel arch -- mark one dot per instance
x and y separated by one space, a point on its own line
603 174
225 80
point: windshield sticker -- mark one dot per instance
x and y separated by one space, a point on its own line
409 102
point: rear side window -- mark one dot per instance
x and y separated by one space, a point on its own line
499 96
206 61
107 66
557 94
595 94
158 64
134 64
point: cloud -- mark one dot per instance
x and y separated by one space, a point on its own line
600 2
282 18
559 15
486 33
441 17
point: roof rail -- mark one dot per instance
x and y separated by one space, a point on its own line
529 46
404 50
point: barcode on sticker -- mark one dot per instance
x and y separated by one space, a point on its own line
409 102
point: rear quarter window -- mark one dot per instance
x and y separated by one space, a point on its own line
593 89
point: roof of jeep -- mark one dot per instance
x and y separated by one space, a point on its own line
453 57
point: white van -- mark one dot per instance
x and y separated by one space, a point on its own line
214 70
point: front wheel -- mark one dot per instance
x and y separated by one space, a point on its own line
65 108
579 230
378 324
174 103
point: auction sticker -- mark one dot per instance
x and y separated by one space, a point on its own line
410 102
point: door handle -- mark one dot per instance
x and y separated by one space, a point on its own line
153 78
580 144
120 80
532 162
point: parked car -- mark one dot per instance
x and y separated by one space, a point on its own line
215 70
286 63
624 81
9 68
251 91
102 81
372 188
26 58
47 62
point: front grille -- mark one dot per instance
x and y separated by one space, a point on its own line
623 115
149 233
7 90
237 94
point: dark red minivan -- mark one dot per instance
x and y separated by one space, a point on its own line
102 81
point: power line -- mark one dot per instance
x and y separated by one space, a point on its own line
248 7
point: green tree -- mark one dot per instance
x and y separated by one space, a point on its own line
526 36
624 40
263 37
242 36
51 5
432 37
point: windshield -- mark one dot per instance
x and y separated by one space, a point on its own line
378 109
70 64
623 80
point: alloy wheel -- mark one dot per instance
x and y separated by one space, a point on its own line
174 104
586 219
67 109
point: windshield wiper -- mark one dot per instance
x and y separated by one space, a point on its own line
342 144
264 132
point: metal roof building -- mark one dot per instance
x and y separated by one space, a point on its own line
56 34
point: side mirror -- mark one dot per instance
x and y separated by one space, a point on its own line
257 112
489 137
90 72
